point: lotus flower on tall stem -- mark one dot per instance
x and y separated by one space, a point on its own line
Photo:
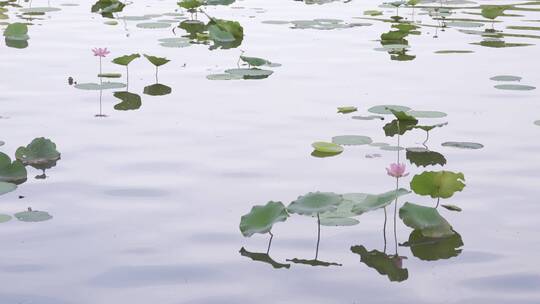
101 53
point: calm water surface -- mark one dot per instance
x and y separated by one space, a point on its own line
147 203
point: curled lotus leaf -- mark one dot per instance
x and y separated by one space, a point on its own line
126 59
11 172
363 202
327 147
438 184
261 218
426 219
451 207
315 203
40 151
157 61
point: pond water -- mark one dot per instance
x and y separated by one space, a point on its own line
147 196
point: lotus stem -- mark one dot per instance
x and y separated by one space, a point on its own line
318 235
100 65
438 199
269 242
156 74
427 138
127 77
395 215
384 229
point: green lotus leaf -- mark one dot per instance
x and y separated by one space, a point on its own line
224 76
396 127
190 4
432 249
314 262
109 75
157 89
6 187
153 25
506 78
394 35
493 11
402 116
426 219
354 140
451 207
429 128
438 184
388 265
252 73
339 221
319 154
373 13
368 117
38 10
263 257
462 145
385 109
107 7
261 218
157 61
219 2
315 203
5 218
130 101
96 86
255 61
16 31
424 157
11 172
33 216
405 27
225 30
326 147
126 59
392 148
515 87
40 151
363 202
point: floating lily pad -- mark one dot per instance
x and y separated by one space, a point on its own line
432 249
174 42
391 148
385 109
315 202
6 187
11 172
438 184
347 109
514 87
255 61
353 140
506 78
224 76
388 265
5 218
454 52
111 22
33 10
431 127
153 25
427 114
97 86
33 216
462 145
425 219
369 117
327 147
109 75
41 151
373 13
451 207
378 144
252 73
157 89
261 218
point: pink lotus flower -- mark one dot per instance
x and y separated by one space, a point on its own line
100 52
396 170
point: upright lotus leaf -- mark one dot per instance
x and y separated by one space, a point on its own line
426 219
33 216
493 11
107 7
157 61
263 257
255 61
11 172
130 101
16 31
432 249
126 59
402 115
438 184
388 265
424 157
225 31
431 127
397 127
6 187
314 203
363 203
190 4
261 218
40 151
